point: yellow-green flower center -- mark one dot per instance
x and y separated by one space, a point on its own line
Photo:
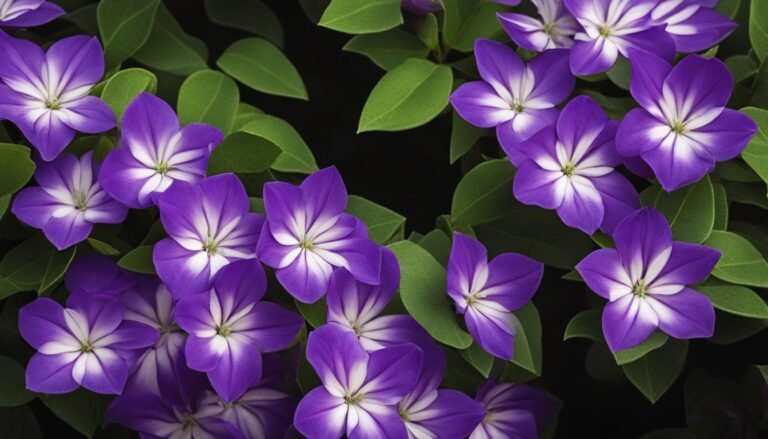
53 104
80 201
86 347
162 168
640 289
605 31
223 331
353 399
568 169
549 29
306 244
678 127
210 246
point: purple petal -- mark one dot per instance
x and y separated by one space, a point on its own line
554 81
704 29
700 83
48 134
131 335
582 206
148 125
539 187
41 321
512 400
466 263
192 313
643 239
654 40
224 200
392 330
23 64
142 411
66 231
324 194
498 65
183 271
34 206
479 104
627 322
604 274
452 415
492 328
241 283
640 132
122 177
306 278
238 369
687 314
96 273
47 12
619 199
362 257
271 327
727 136
378 421
688 264
392 373
75 62
648 74
678 162
204 354
88 115
582 119
527 32
592 56
51 373
321 415
334 353
522 127
104 371
512 280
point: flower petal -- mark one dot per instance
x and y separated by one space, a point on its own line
604 274
627 322
687 314
321 415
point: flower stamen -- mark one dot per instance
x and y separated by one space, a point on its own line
640 289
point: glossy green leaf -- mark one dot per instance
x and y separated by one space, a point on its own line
485 193
261 66
244 153
124 86
527 352
361 17
209 97
742 67
13 392
721 207
295 155
467 20
438 244
246 113
689 210
463 136
249 15
756 153
653 374
82 410
479 359
620 73
124 26
382 223
586 324
314 313
655 341
758 28
734 299
429 32
741 263
33 265
408 96
103 248
138 260
422 290
388 49
16 167
731 328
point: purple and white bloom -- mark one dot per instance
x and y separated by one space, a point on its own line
554 29
422 7
514 411
229 327
432 413
94 273
27 13
47 94
209 226
85 344
682 126
68 202
155 151
356 306
572 169
360 391
308 236
693 24
518 99
488 292
612 27
646 280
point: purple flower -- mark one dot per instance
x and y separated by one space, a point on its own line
85 344
360 391
356 306
27 13
93 273
429 412
693 24
308 236
553 30
47 94
572 169
612 27
68 202
682 127
518 100
646 278
209 226
514 411
229 328
155 152
487 292
422 7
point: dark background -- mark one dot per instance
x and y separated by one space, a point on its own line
410 173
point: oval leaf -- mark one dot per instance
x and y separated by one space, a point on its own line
125 85
382 223
388 49
654 373
124 26
248 15
295 155
16 168
13 392
690 210
362 17
138 260
209 97
484 194
737 300
242 153
741 263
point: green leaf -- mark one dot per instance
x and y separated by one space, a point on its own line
209 97
734 299
16 168
467 20
244 153
620 73
246 113
81 409
747 193
261 66
463 136
124 86
85 18
170 49
484 194
654 373
758 28
585 324
536 233
295 155
124 26
410 95
655 341
382 223
729 8
138 260
756 153
732 328
422 290
20 423
249 15
55 269
741 263
527 352
314 313
32 265
742 66
388 49
438 244
361 17
429 32
721 207
615 108
690 210
13 392
103 248
478 358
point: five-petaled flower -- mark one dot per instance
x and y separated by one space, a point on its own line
68 202
488 292
307 236
155 151
518 99
513 411
28 13
47 94
553 30
87 344
572 169
682 127
693 24
646 280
